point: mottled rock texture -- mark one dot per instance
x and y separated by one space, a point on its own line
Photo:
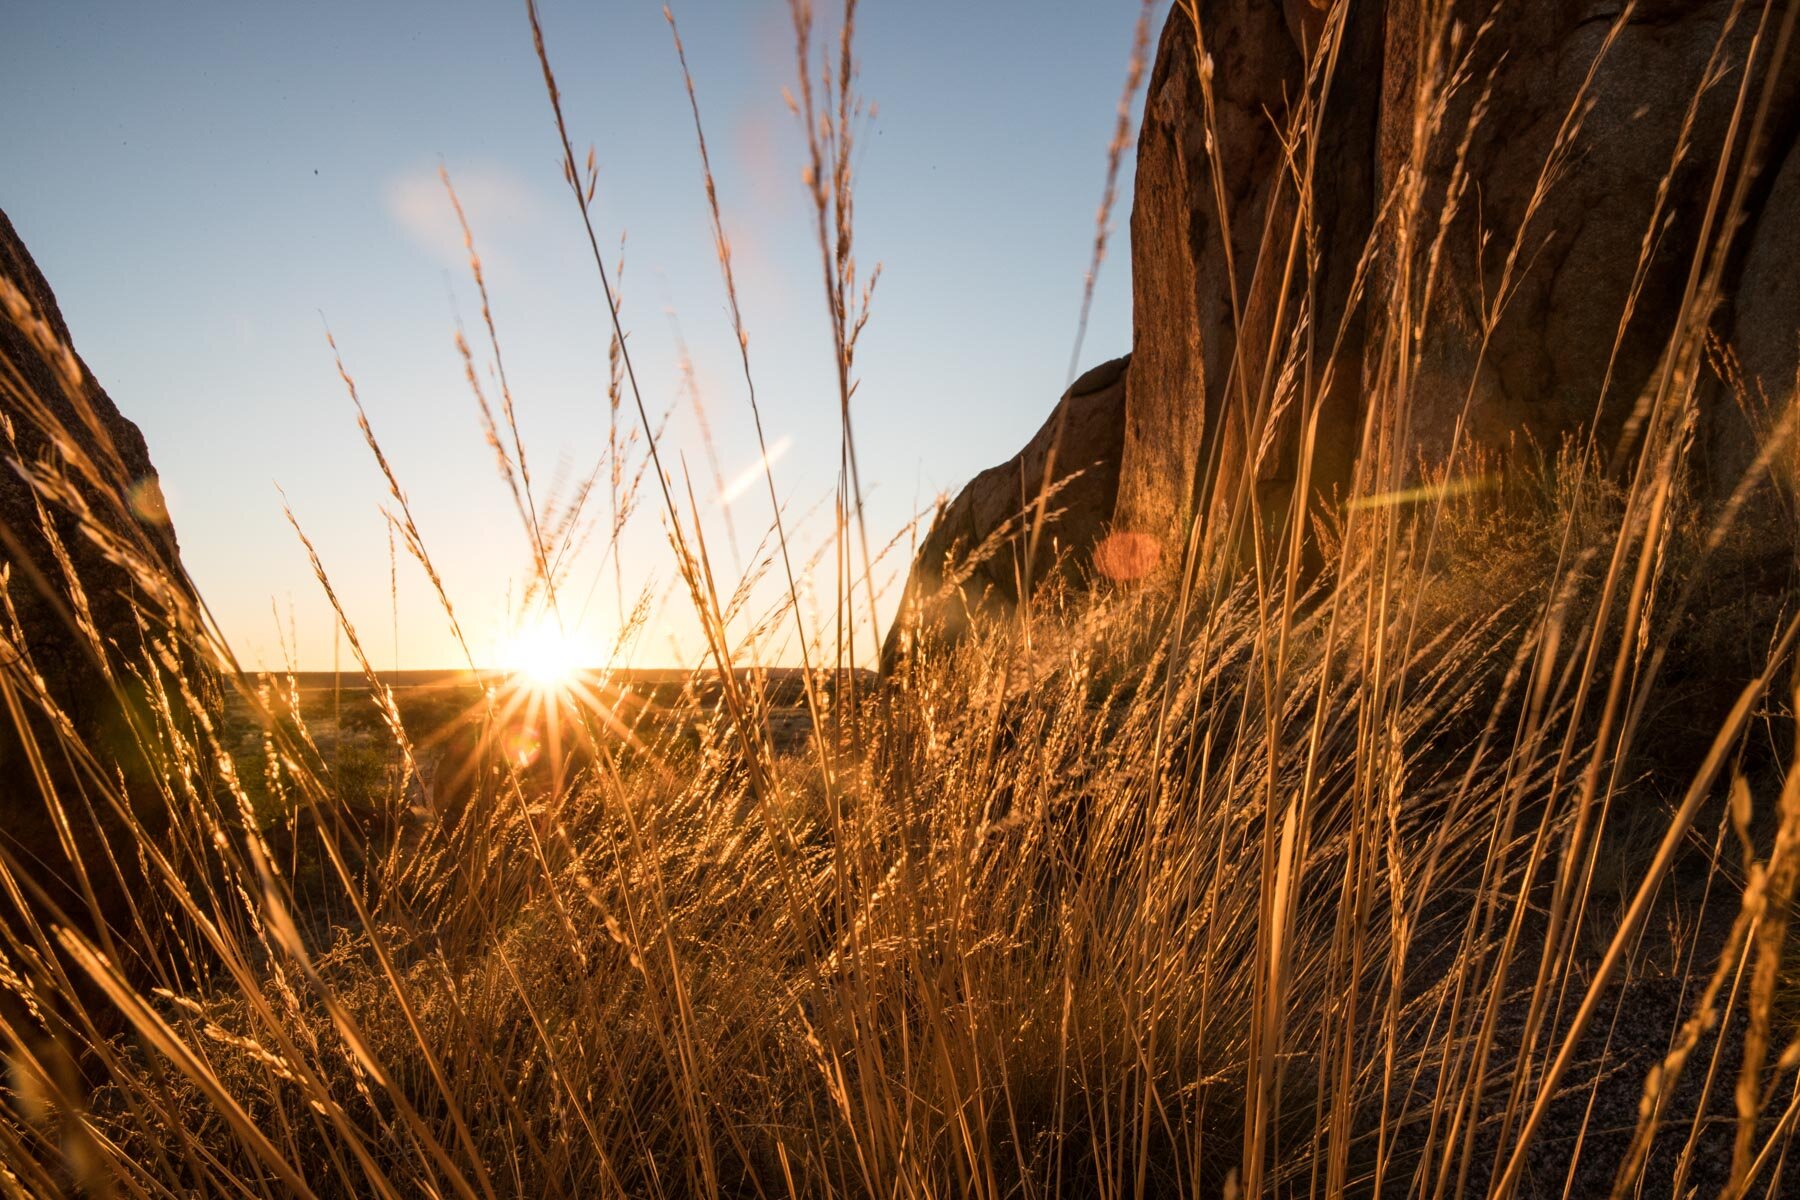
1590 225
1370 235
93 570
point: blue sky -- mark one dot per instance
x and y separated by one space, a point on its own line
207 185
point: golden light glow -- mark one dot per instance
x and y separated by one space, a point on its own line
544 657
555 704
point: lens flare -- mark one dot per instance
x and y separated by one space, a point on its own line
522 745
1126 555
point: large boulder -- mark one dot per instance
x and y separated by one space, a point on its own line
94 580
1371 236
972 560
1505 200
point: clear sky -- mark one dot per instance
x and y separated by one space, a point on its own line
207 185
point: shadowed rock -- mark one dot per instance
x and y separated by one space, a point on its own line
93 571
1569 171
1765 328
972 559
1602 138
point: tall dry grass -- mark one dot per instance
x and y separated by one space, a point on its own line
1380 867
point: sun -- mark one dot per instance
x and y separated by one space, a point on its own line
544 657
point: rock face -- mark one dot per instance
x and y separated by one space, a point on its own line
1530 182
86 588
1765 313
1212 245
1590 313
1371 234
973 558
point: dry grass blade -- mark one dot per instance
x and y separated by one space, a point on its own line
1367 852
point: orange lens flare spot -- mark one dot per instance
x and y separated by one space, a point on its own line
1125 556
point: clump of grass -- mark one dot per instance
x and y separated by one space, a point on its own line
1336 873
